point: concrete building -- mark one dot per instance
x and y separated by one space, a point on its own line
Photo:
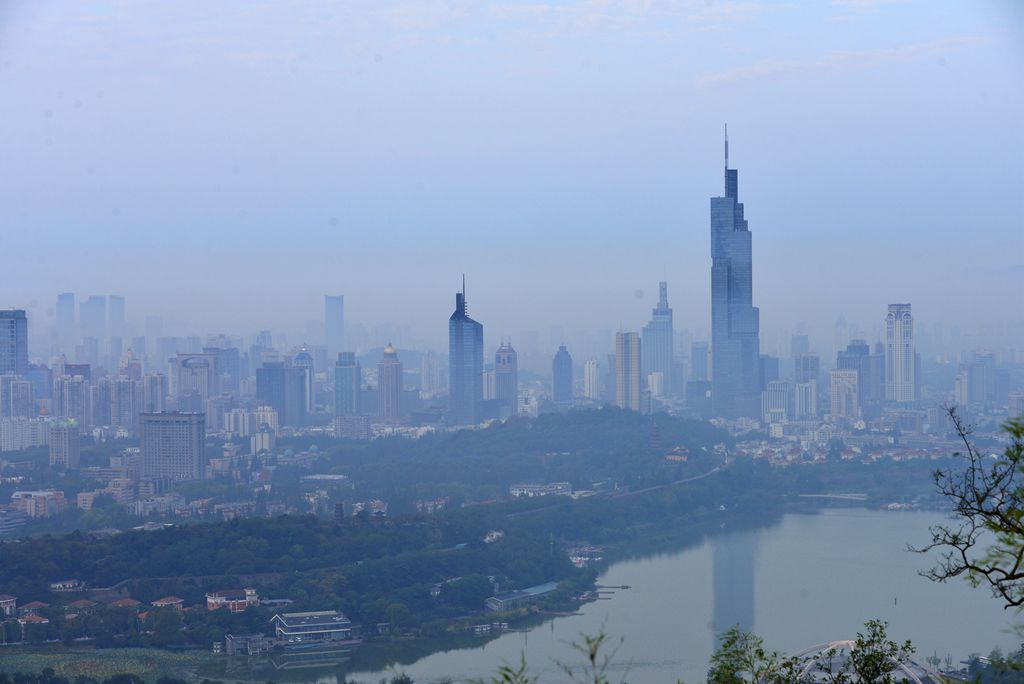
389 386
658 342
844 394
506 379
465 364
173 445
65 444
13 342
334 324
900 355
592 380
561 376
628 389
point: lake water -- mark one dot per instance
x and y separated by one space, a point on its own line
808 579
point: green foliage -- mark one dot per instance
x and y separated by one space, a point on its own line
741 657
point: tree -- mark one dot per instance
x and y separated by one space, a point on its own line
988 503
872 659
741 657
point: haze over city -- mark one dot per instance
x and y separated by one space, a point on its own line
226 165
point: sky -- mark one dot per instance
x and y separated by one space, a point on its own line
226 164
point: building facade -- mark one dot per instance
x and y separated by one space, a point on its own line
173 445
334 324
900 355
561 374
465 365
389 386
658 342
628 387
13 342
735 321
506 378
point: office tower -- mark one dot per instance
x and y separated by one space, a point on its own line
806 367
71 398
124 404
775 402
655 384
465 364
843 392
92 314
735 345
506 378
610 391
101 398
154 393
592 380
65 313
389 386
561 373
41 378
196 374
857 357
699 353
14 342
627 370
900 357
283 389
769 369
304 362
347 380
431 384
334 323
799 344
172 445
16 397
65 443
658 341
115 316
806 400
228 364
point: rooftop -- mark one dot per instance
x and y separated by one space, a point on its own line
320 617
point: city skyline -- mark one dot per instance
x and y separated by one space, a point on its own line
410 173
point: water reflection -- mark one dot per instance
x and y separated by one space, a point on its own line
733 556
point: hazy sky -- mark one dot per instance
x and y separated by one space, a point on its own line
231 162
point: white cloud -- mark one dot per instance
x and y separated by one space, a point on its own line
835 61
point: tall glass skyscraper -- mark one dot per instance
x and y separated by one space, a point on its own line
465 364
658 341
14 342
561 373
735 324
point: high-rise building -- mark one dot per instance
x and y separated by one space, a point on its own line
775 402
14 342
857 357
843 393
465 364
431 384
283 389
806 367
334 324
347 380
304 361
627 370
92 315
71 398
125 397
658 340
16 397
154 393
561 374
389 386
592 380
506 378
197 374
115 316
799 344
173 445
699 353
65 443
735 324
101 399
900 355
806 400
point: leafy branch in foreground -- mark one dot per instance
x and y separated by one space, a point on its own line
988 501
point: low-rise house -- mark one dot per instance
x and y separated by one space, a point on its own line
247 644
67 585
550 489
172 602
33 619
235 600
78 607
8 605
33 607
323 625
513 600
129 603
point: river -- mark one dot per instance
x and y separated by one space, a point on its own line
808 579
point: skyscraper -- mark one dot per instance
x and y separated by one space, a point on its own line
92 314
900 356
304 361
173 445
627 370
465 364
592 380
857 357
154 393
506 378
14 342
334 323
389 386
699 361
115 316
735 342
65 313
283 389
561 374
658 341
843 394
347 379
